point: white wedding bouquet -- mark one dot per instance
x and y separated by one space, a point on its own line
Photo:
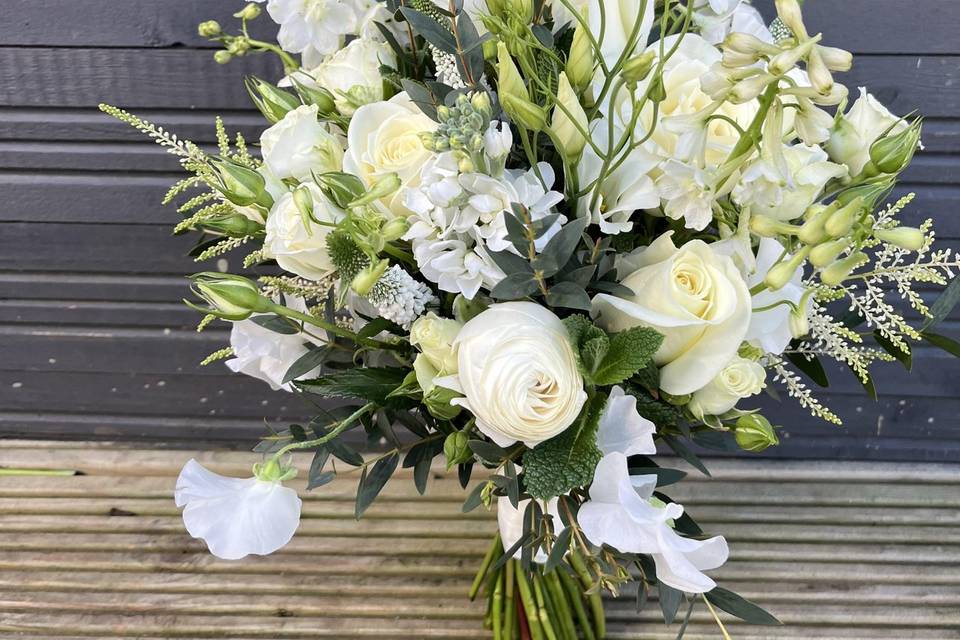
537 238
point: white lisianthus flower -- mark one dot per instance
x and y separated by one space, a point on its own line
384 138
298 244
518 374
510 521
858 129
299 144
687 193
623 513
694 296
622 429
267 355
765 189
352 74
770 328
741 378
238 517
312 27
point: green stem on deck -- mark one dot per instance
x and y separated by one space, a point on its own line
484 565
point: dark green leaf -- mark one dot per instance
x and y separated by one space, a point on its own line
568 295
866 383
905 357
592 353
344 452
560 546
464 471
487 450
514 286
377 325
670 599
613 288
665 477
739 606
517 231
580 275
316 477
648 377
943 305
431 30
420 457
811 367
560 248
421 96
470 61
949 345
371 384
306 363
510 263
630 351
372 483
684 452
717 440
508 554
662 414
473 499
544 35
277 324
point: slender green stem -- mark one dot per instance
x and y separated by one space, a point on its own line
529 605
330 327
12 471
510 616
545 617
575 595
336 431
495 546
555 593
497 608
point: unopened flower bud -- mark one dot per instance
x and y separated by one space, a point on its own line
209 29
767 227
303 199
580 61
273 102
836 59
841 221
480 101
394 229
869 192
841 270
382 188
241 185
824 254
812 231
249 12
798 323
509 81
789 13
524 113
455 447
311 94
222 57
230 297
892 153
749 88
787 60
638 67
233 225
569 122
364 281
519 10
820 77
909 238
466 165
342 188
781 273
746 43
754 433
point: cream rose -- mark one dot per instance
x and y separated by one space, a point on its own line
518 373
299 144
694 296
741 378
352 74
858 129
434 336
384 138
299 245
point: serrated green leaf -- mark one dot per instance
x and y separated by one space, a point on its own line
630 351
371 384
373 482
739 606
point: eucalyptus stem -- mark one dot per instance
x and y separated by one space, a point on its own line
336 431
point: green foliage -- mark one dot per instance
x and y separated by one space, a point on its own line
566 461
607 359
370 385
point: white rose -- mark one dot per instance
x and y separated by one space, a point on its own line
352 74
298 245
434 336
299 144
741 378
384 138
858 129
518 373
694 296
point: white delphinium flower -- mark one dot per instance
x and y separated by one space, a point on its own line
267 355
623 513
398 297
313 27
770 321
622 429
719 18
687 193
238 517
784 195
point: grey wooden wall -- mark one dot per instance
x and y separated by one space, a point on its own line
93 339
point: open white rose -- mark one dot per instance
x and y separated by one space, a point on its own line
694 296
858 129
352 74
384 138
267 355
741 378
770 322
299 144
236 517
299 245
518 374
623 513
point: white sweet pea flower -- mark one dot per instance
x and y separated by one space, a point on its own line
518 373
510 521
298 243
623 514
858 129
688 194
770 322
299 144
741 378
622 429
238 517
267 355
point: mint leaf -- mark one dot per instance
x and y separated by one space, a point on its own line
630 351
590 343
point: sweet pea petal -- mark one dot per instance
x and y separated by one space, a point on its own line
622 428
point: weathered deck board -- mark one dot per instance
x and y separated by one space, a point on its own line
837 550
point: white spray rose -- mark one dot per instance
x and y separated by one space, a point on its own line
299 144
518 373
384 138
298 244
352 74
741 378
434 336
694 296
858 129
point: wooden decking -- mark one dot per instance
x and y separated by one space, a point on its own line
835 550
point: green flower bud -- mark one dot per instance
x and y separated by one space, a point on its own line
638 67
342 188
272 101
892 153
824 254
509 81
836 59
580 61
840 222
790 15
566 130
233 225
525 113
658 93
364 281
394 229
480 101
315 95
813 230
249 12
209 29
754 433
240 184
782 272
869 193
798 323
909 238
222 57
382 188
456 449
787 60
841 270
230 297
767 227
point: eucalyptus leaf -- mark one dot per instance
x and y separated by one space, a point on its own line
739 606
560 546
277 324
510 263
487 450
568 295
421 96
517 231
373 482
315 476
431 30
473 499
560 248
515 286
670 600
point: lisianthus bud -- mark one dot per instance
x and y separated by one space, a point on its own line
892 153
755 433
382 188
326 104
209 29
303 200
232 224
836 59
342 188
841 270
525 113
841 221
240 184
509 81
364 281
798 323
824 254
638 67
569 123
580 61
781 273
249 12
273 102
230 297
455 447
909 238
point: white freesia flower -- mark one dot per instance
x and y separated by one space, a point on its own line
518 373
384 138
352 74
770 328
741 378
299 144
313 27
237 517
858 129
767 191
622 429
267 355
623 513
298 244
694 296
687 193
510 521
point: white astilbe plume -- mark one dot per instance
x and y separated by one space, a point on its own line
798 390
399 298
833 339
